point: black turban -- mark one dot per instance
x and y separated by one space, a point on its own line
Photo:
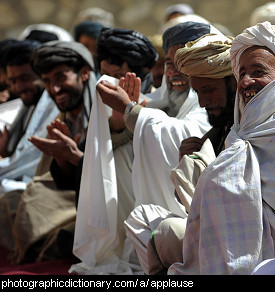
183 33
54 53
130 46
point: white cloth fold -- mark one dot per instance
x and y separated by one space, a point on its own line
97 241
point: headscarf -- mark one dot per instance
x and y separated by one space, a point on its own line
51 32
183 33
261 34
263 13
89 28
208 56
178 8
131 46
53 53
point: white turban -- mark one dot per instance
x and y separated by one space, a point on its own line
261 34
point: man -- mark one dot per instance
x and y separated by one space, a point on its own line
86 32
66 69
123 170
174 96
216 87
20 158
231 230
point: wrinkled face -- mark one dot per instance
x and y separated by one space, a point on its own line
25 83
257 69
64 86
174 79
216 97
114 70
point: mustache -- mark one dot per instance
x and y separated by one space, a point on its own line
252 87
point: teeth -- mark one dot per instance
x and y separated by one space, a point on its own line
177 83
250 95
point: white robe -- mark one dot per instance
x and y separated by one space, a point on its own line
157 139
24 161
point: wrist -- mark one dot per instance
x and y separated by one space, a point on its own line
128 109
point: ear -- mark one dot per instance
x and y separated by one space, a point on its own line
85 73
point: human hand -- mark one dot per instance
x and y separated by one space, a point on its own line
59 144
4 96
4 138
190 145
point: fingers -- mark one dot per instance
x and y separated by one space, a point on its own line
129 84
190 145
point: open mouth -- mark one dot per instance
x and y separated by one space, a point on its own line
249 94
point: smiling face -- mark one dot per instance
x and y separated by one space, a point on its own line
65 86
25 83
257 69
174 79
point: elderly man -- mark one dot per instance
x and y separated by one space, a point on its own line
231 230
158 240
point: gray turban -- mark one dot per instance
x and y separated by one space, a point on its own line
183 33
54 53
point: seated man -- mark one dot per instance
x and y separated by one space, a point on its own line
231 230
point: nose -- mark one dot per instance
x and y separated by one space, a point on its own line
54 87
204 100
19 86
246 81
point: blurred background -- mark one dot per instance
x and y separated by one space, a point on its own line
145 16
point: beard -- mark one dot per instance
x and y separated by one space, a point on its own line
227 115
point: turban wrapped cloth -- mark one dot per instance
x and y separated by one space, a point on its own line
130 46
54 53
208 56
261 34
89 28
183 33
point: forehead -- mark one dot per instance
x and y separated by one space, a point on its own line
172 50
256 53
200 82
63 68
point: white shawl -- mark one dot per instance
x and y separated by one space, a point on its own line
231 224
97 243
157 138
